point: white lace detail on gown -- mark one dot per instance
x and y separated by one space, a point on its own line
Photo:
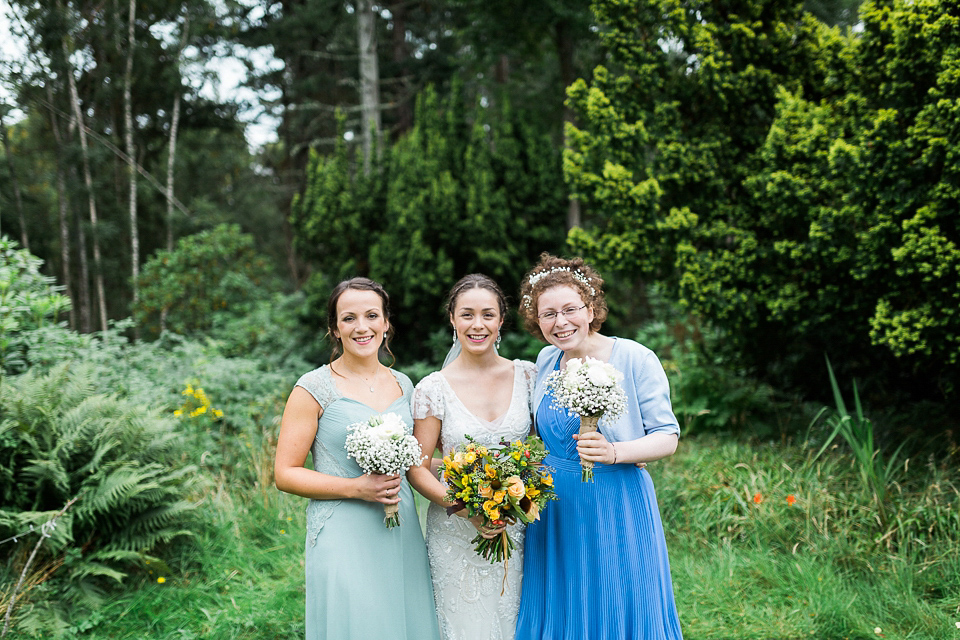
467 587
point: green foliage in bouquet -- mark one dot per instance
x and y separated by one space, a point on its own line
503 485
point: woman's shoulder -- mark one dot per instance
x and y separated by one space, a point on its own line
319 384
625 348
430 380
525 366
403 380
547 354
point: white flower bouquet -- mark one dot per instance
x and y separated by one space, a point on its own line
383 445
591 389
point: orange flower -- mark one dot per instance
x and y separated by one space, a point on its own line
486 491
757 498
791 499
515 487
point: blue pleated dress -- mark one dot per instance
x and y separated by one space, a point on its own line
596 563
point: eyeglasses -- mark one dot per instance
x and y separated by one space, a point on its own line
566 313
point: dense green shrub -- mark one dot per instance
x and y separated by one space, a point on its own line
209 273
793 184
28 301
466 190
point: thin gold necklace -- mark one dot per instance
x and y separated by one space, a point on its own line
369 383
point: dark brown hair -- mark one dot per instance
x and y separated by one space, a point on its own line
476 281
360 284
552 271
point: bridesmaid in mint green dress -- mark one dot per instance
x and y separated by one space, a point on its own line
363 581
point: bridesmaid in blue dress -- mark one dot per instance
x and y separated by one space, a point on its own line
596 564
363 580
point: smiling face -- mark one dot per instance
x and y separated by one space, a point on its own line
361 322
476 319
567 330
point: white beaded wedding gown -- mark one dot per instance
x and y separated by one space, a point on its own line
466 587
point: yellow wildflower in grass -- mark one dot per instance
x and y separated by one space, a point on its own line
217 413
161 580
178 412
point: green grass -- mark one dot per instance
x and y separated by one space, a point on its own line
742 567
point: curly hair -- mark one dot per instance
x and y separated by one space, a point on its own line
476 281
552 271
360 284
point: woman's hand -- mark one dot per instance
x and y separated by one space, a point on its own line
595 448
374 487
486 531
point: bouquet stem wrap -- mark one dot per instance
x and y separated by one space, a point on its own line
588 424
391 516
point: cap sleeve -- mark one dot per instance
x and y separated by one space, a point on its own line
529 372
319 384
428 398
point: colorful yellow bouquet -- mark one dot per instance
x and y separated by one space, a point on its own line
505 485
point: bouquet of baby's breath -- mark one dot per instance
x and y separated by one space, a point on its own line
384 445
505 485
591 389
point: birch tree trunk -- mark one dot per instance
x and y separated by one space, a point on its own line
369 80
131 154
88 181
63 206
172 146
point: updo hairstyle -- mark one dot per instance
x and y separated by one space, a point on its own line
552 271
360 284
476 281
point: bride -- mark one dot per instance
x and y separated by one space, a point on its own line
487 397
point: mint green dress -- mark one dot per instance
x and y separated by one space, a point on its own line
363 581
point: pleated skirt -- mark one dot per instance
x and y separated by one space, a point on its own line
364 581
596 564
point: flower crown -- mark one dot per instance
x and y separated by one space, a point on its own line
534 278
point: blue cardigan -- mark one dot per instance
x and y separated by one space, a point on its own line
644 381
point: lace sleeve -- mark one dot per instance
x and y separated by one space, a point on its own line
529 371
320 385
428 398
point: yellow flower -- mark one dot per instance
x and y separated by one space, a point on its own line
482 451
515 487
459 458
515 455
187 392
178 412
161 580
498 496
494 514
548 481
491 472
533 513
217 413
533 492
489 505
470 457
283 531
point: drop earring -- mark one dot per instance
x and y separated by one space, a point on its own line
454 336
496 345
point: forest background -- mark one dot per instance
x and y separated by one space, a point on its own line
766 185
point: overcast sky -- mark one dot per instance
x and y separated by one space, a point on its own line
230 73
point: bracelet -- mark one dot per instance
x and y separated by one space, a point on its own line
614 452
